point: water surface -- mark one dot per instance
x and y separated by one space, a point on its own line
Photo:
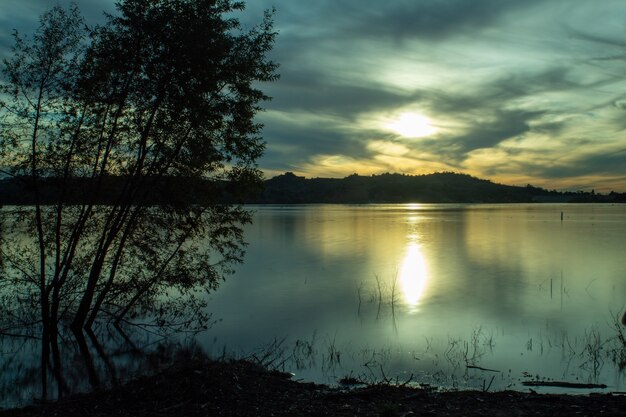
429 292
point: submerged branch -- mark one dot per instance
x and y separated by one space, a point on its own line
562 384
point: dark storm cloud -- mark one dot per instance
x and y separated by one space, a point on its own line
496 93
585 165
399 19
292 146
431 19
616 41
506 124
315 91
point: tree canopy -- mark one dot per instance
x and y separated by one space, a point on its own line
165 88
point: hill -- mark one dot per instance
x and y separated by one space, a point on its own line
288 188
446 187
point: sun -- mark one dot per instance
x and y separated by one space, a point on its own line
412 125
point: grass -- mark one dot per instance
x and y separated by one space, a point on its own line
382 295
466 361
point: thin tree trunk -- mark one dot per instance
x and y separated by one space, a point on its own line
43 296
109 231
114 225
84 352
116 260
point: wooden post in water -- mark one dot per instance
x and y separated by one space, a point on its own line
561 289
561 216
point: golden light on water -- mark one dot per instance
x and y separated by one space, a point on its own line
413 275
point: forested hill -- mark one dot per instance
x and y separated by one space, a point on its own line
288 188
444 187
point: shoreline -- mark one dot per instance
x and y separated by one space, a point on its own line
201 387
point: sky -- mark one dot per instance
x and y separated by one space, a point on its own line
518 92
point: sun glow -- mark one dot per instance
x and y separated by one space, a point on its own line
412 125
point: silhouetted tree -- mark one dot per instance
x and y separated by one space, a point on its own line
166 88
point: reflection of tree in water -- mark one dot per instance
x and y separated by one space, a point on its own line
96 361
160 283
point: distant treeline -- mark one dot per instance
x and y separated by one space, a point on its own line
446 187
153 191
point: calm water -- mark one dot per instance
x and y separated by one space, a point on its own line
394 291
422 293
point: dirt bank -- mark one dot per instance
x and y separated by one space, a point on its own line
206 388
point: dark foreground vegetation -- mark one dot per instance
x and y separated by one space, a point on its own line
199 387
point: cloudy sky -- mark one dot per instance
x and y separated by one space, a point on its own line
518 92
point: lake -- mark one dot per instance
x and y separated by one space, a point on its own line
430 294
455 296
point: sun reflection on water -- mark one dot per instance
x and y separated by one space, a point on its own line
413 275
